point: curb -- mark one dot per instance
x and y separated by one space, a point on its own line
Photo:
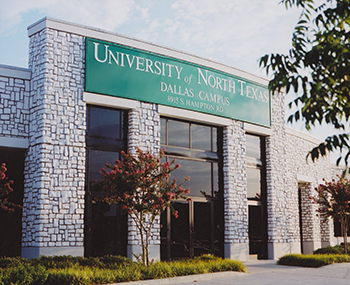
183 279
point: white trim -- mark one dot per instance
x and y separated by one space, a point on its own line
14 142
15 72
259 130
143 45
110 101
193 116
304 178
303 136
35 251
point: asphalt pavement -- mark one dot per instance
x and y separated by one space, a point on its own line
264 272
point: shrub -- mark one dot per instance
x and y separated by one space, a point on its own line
24 273
9 262
312 260
115 260
67 261
337 249
63 270
88 275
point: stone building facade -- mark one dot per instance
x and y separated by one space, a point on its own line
46 111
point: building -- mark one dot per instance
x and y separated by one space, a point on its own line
88 94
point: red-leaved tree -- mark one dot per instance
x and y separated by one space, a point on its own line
142 185
5 190
334 200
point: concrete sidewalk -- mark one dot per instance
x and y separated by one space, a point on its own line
264 272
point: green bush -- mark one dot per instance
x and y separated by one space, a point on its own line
312 260
70 261
24 273
8 262
63 270
337 249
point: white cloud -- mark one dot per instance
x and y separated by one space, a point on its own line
234 32
106 14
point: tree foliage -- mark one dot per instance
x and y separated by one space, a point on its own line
334 201
141 184
317 69
5 190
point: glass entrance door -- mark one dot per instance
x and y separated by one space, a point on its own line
195 232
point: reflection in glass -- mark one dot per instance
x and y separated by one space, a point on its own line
162 131
202 228
105 123
180 235
214 139
255 229
201 137
200 173
253 146
215 179
98 159
254 183
178 133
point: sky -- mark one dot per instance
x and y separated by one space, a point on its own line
233 32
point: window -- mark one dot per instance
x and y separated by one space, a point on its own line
105 225
254 167
256 194
199 229
195 148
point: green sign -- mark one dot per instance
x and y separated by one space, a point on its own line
126 72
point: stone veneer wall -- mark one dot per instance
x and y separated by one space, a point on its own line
144 133
53 213
14 106
286 167
277 194
235 193
299 169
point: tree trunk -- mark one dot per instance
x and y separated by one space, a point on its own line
144 245
345 228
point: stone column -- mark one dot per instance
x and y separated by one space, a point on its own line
235 192
311 226
54 196
144 133
277 194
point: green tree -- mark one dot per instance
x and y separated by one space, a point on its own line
141 184
334 201
317 70
5 190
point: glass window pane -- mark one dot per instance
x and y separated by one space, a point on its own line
214 139
253 146
201 137
105 123
162 131
215 179
178 133
200 173
254 183
98 159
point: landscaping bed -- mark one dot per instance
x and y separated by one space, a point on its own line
110 269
